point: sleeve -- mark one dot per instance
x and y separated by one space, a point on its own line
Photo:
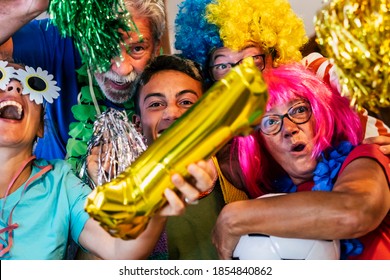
77 192
325 70
229 167
369 151
39 44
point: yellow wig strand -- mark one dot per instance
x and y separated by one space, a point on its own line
272 24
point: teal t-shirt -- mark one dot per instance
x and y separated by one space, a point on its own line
50 209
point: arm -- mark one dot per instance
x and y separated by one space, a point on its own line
16 13
96 240
358 203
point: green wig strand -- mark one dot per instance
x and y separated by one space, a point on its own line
94 26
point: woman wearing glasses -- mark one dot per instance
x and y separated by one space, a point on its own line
224 32
228 31
307 146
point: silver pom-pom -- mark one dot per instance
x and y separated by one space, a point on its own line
116 143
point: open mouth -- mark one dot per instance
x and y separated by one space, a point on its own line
119 83
11 110
298 148
160 132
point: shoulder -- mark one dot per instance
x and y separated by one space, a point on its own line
370 151
39 34
367 150
229 166
57 164
37 25
61 171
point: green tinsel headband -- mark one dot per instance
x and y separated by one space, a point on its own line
94 26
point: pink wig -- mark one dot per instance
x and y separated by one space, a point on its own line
335 121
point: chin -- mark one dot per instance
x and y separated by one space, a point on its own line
117 97
302 169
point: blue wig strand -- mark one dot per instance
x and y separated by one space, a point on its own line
194 36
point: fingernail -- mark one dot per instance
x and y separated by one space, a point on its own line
191 167
383 149
193 202
176 179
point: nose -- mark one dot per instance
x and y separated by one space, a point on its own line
172 113
14 87
289 128
123 64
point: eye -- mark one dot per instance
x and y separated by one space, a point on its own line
269 122
136 51
299 110
186 103
221 66
155 105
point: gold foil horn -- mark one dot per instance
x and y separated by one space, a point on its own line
231 107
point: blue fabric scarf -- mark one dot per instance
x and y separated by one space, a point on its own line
325 176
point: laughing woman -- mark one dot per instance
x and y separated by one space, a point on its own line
42 202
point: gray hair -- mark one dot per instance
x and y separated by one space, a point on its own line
154 11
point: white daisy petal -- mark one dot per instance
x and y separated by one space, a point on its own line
36 97
49 93
6 74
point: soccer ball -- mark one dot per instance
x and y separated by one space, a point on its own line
264 247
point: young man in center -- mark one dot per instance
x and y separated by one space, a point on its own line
166 89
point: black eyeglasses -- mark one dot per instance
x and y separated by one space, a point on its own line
299 113
221 69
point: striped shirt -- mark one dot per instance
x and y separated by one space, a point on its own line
324 69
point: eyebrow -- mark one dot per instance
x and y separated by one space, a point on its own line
290 104
184 91
153 94
158 94
140 41
250 46
219 55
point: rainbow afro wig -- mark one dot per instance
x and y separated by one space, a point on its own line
203 25
195 37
